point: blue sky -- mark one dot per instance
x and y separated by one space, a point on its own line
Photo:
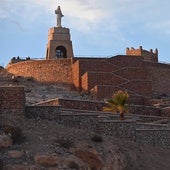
98 27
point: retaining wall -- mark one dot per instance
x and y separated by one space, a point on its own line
157 135
94 105
43 112
153 137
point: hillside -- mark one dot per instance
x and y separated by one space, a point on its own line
36 144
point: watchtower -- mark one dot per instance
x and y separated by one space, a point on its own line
147 55
59 43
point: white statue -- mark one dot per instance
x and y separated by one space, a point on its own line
59 16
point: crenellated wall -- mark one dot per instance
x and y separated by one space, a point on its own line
147 55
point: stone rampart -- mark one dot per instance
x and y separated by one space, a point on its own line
44 70
90 79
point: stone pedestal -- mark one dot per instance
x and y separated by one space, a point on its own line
59 43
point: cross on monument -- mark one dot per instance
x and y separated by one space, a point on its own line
59 16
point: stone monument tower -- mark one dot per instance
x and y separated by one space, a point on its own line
59 43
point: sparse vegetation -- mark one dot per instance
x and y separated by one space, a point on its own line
97 138
65 142
15 133
118 103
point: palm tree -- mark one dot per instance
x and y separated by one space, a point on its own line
118 103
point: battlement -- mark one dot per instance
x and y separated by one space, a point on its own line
147 55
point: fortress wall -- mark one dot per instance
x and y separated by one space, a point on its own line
82 65
12 100
106 91
96 66
134 73
126 61
142 87
90 79
160 77
76 75
44 70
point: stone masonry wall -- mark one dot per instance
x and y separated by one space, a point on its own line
74 104
153 137
160 77
43 112
123 129
44 70
12 100
97 106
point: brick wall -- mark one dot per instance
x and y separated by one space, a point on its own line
12 100
44 70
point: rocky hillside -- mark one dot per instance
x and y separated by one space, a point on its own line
35 144
45 145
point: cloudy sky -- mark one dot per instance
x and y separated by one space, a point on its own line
98 27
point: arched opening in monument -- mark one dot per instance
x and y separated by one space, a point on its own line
61 52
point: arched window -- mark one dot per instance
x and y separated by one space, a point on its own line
61 52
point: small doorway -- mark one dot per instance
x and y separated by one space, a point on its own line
61 52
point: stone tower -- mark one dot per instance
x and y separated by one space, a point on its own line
59 43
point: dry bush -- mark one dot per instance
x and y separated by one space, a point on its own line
97 138
15 133
65 142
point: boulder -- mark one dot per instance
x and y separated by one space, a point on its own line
15 154
89 157
47 160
